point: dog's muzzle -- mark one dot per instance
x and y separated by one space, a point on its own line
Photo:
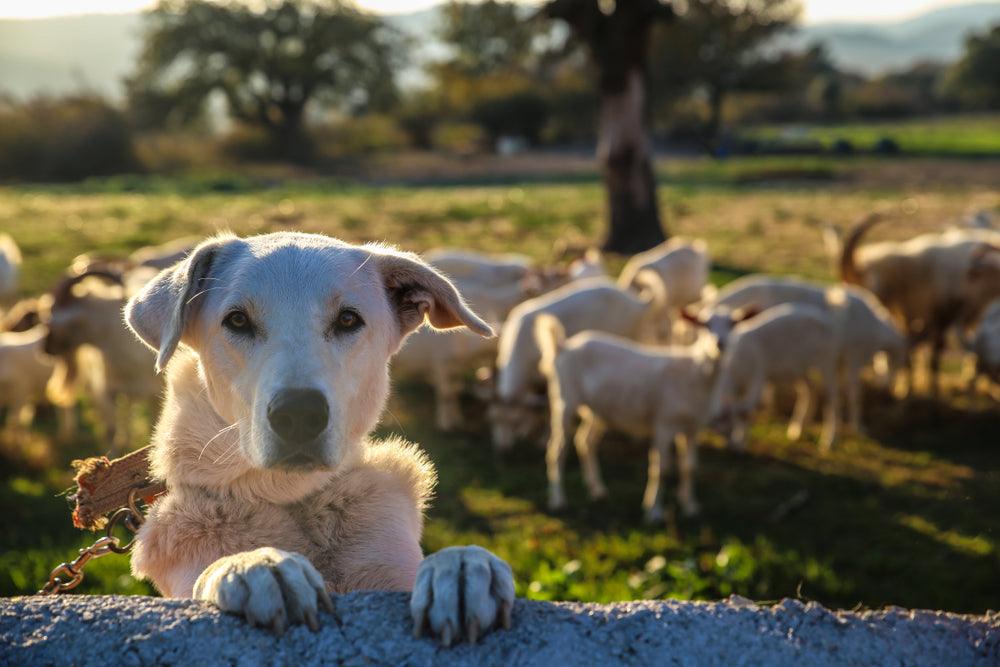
298 417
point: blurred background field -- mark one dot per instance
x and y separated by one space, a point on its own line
474 125
906 516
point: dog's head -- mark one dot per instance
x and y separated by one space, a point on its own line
293 334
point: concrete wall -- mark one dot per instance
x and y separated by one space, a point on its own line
374 628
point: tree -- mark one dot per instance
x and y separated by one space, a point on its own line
269 60
717 46
617 36
488 37
490 74
975 78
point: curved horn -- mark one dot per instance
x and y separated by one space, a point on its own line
62 294
849 272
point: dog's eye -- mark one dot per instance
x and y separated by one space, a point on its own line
347 321
239 322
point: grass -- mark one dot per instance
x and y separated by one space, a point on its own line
959 135
908 515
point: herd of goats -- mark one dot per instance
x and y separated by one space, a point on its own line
657 353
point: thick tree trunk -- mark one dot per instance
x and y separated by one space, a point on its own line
625 156
715 100
291 142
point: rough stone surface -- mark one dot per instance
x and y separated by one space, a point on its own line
374 628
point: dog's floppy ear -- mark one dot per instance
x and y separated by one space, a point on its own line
160 311
417 291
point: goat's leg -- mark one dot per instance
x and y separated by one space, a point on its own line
123 424
831 409
555 452
852 378
13 425
803 410
26 416
66 420
687 464
448 410
660 456
934 378
587 436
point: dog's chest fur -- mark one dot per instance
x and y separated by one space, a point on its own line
339 528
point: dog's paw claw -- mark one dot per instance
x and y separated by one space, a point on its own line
458 579
271 588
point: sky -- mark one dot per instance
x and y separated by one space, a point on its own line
816 11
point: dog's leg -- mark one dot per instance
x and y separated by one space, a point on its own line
462 591
270 587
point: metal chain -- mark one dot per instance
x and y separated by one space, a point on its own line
130 517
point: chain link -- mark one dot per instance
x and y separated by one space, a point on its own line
130 517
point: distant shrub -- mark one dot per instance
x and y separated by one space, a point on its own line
64 139
461 138
373 133
842 147
248 144
886 146
174 152
520 114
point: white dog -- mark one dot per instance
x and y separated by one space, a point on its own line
278 347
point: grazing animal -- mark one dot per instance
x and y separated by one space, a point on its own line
276 351
782 346
923 282
682 265
10 266
593 304
86 312
24 374
868 329
660 393
984 343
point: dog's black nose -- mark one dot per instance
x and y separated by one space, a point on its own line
297 416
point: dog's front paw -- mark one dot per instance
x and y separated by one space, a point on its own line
462 591
270 587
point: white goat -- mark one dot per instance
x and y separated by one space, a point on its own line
781 345
924 282
593 304
24 373
660 393
985 345
867 331
87 313
683 266
492 286
479 268
10 266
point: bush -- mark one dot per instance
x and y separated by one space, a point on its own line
842 147
64 139
886 146
374 133
461 138
521 114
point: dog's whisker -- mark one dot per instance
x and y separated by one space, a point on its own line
204 291
361 265
225 456
215 437
398 423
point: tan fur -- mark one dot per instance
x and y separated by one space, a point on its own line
358 526
263 519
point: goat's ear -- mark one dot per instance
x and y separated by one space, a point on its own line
745 313
417 292
159 313
981 257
